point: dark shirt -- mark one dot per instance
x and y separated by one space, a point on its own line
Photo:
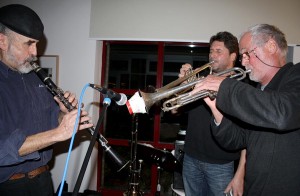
26 108
199 141
270 131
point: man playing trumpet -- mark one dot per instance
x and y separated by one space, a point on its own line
263 120
208 169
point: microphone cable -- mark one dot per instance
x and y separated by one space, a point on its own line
72 140
264 62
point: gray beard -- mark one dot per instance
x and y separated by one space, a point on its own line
25 69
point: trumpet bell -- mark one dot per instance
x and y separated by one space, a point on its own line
136 104
141 102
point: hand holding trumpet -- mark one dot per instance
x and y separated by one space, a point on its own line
209 83
184 70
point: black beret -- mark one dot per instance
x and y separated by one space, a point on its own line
22 20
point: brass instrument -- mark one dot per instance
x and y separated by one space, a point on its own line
183 99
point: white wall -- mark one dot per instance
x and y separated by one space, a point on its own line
189 20
67 32
296 54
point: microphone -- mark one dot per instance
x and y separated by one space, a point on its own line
56 91
119 98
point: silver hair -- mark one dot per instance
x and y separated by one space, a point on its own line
261 33
2 28
6 31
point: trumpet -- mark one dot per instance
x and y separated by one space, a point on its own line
185 98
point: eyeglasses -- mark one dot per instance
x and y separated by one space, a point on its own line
247 54
242 56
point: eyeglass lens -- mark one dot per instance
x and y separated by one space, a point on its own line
247 53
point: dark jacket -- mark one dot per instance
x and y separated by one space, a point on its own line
267 124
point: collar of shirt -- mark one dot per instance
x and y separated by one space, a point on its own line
4 69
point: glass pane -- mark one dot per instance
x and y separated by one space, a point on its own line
131 65
175 57
119 124
170 125
138 66
137 81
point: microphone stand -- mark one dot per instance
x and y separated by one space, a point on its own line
106 103
135 172
59 93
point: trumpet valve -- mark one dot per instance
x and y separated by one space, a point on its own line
212 94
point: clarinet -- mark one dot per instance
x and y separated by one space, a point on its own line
56 91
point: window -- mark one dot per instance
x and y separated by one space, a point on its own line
145 66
